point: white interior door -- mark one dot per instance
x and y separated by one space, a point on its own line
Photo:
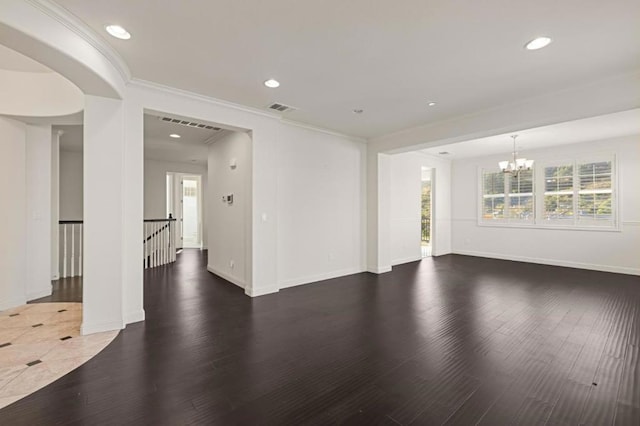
191 202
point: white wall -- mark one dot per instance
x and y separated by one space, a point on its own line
616 251
38 178
13 214
229 240
55 203
321 206
405 200
70 186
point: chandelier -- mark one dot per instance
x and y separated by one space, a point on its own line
515 165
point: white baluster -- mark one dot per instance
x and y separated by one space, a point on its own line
80 244
64 251
154 245
144 244
73 249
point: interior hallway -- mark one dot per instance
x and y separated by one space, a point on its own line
452 339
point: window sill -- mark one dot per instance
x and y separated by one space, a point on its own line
616 228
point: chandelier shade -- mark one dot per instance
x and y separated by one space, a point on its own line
515 165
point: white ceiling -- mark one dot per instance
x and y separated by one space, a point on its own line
590 129
388 58
14 61
190 148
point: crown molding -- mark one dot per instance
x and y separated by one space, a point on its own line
150 85
78 26
321 130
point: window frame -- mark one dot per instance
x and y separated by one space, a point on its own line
538 221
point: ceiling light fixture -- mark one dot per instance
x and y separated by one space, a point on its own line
118 32
444 153
537 43
431 103
516 165
271 83
175 136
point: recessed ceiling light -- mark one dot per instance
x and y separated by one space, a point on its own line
174 135
538 43
118 32
431 103
271 83
358 111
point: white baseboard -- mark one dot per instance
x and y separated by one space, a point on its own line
319 277
379 270
12 303
406 260
132 317
226 276
552 262
260 291
39 293
100 327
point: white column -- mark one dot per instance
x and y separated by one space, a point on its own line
38 157
13 215
104 230
55 204
262 232
378 212
133 212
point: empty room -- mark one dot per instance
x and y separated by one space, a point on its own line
286 212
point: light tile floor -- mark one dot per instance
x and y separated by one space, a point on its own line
39 343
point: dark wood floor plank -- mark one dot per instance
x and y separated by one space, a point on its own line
452 340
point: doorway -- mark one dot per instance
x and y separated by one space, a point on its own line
426 212
184 203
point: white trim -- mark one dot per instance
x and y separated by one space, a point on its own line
76 25
551 227
553 262
100 327
379 269
135 316
406 260
150 85
12 303
321 130
318 277
260 291
39 293
226 276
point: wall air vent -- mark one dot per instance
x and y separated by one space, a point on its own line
189 123
281 107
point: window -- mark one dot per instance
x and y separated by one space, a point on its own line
493 195
573 193
506 198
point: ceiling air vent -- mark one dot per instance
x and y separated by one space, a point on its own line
281 107
189 123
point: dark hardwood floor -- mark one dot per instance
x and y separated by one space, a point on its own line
450 340
64 290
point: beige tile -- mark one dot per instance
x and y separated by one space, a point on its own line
9 335
10 400
45 333
7 374
15 310
25 319
31 379
43 343
23 353
64 366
